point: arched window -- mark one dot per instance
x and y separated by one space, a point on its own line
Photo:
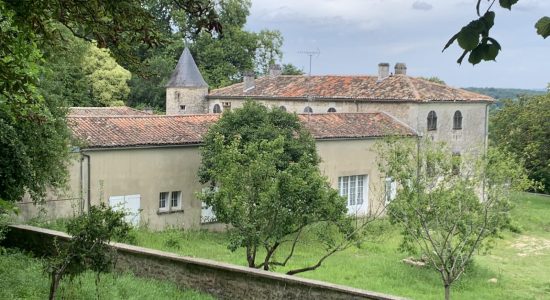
308 109
432 120
217 109
457 120
282 107
332 109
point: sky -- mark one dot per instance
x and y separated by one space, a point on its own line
353 36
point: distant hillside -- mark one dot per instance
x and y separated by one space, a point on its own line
505 93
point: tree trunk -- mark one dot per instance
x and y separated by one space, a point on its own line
54 285
447 292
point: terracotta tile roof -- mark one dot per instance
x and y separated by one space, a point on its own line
131 131
128 131
353 125
106 111
329 87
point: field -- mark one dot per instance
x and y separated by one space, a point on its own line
520 262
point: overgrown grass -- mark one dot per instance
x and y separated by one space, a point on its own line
22 277
376 265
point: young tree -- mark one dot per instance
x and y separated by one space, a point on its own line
263 179
88 249
449 208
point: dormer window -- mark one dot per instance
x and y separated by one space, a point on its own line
457 120
432 120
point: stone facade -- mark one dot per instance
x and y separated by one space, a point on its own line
186 100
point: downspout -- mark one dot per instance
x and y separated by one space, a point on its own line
89 179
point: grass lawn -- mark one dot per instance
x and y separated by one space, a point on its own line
22 277
519 261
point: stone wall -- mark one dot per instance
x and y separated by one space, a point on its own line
192 98
221 280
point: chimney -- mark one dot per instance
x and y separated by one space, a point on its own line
383 71
400 69
248 80
275 70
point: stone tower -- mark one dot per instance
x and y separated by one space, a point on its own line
186 91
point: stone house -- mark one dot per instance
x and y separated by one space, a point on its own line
149 163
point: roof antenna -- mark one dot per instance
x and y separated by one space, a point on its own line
310 53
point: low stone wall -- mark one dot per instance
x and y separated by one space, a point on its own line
221 280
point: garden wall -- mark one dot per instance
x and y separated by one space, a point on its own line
221 280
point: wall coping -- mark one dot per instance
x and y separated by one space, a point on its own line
224 266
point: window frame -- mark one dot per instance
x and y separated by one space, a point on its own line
166 206
354 188
169 202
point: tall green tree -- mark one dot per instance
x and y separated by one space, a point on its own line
34 139
522 127
449 207
261 167
221 58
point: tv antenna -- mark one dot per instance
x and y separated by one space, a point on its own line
310 53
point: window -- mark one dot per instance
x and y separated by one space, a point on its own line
308 109
390 190
457 120
226 106
432 120
217 109
182 107
175 200
332 109
352 188
163 201
170 201
282 108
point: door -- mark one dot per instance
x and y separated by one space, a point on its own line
130 204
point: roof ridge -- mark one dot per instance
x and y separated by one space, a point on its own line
413 87
400 122
143 116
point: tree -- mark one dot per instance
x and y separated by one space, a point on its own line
474 38
88 248
521 127
269 50
449 207
290 69
434 79
34 139
261 167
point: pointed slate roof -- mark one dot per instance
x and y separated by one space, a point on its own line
187 73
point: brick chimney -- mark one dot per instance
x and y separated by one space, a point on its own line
383 71
400 69
248 80
275 70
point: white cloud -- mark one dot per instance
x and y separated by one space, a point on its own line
421 5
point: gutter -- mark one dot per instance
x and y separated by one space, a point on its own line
88 196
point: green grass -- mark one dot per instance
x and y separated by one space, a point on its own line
22 277
377 266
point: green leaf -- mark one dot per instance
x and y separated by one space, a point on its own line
507 3
543 27
488 19
490 52
468 38
477 55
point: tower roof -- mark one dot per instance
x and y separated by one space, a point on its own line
187 73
